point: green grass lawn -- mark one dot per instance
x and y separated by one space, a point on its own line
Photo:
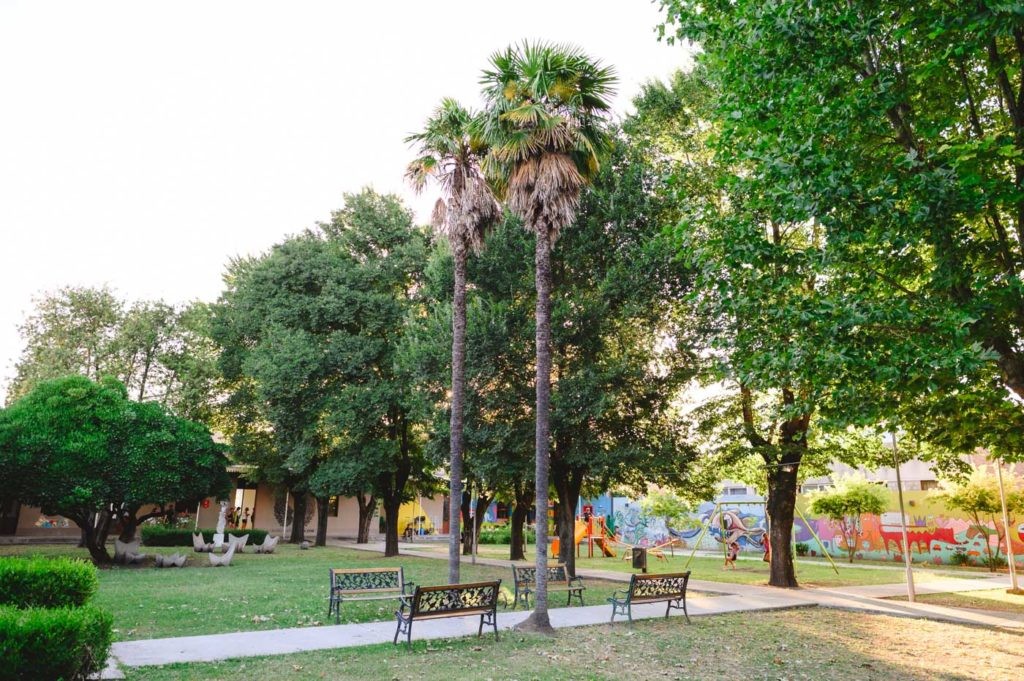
809 574
990 599
810 643
285 589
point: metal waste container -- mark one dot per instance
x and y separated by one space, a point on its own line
640 559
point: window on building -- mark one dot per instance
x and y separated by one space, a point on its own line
332 506
734 491
929 484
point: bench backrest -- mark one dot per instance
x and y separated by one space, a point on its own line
654 587
367 580
527 576
455 598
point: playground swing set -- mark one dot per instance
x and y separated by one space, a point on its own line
731 534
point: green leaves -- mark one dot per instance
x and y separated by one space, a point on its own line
76 447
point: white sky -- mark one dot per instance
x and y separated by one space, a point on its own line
143 144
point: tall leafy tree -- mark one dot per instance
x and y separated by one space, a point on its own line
451 155
309 335
159 351
83 450
864 255
545 125
902 135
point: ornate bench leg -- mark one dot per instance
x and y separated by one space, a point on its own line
490 618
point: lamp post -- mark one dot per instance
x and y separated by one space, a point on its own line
903 523
1010 561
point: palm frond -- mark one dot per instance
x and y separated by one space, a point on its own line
545 123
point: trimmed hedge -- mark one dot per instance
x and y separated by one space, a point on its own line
53 643
39 582
502 534
161 535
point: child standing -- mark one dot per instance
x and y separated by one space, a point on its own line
731 554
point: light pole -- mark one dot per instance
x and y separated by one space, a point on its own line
1014 588
903 523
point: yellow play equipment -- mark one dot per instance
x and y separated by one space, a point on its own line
595 532
413 520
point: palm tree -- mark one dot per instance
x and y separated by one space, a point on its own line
545 125
451 156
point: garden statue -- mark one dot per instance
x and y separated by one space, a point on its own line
218 538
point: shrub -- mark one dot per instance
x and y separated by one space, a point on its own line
959 559
163 535
39 582
801 548
994 562
53 643
502 534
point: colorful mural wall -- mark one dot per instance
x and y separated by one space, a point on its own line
935 534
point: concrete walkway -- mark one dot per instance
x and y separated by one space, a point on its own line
730 598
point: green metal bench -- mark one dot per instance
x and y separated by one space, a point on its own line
366 584
525 581
668 588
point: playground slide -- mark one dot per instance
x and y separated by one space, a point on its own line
607 550
581 532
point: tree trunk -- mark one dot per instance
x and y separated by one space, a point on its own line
129 526
780 509
367 504
567 484
539 621
132 520
517 548
471 527
321 521
298 533
391 505
94 530
458 389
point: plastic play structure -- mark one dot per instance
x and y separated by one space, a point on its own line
594 530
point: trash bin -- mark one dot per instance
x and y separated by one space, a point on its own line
640 559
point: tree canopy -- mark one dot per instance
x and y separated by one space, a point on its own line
82 449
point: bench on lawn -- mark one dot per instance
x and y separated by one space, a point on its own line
525 580
670 588
450 600
366 584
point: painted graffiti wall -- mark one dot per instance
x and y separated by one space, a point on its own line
935 534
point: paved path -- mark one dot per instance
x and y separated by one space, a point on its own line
730 598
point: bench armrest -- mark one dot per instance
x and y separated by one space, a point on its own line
576 580
408 588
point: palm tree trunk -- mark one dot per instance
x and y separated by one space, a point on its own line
539 620
458 389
